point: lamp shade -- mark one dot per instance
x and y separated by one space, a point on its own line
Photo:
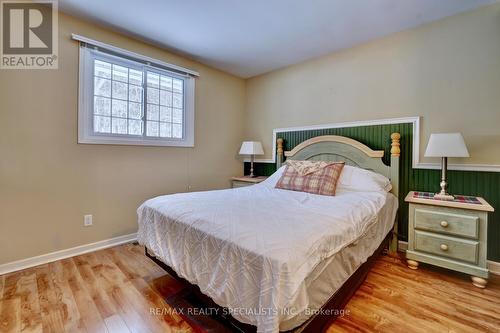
251 148
446 145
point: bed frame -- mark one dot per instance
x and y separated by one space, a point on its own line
323 148
355 153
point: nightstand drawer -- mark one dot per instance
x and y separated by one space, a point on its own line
447 222
444 246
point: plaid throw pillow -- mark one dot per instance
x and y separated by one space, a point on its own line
317 179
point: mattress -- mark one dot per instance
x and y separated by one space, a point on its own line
262 252
332 272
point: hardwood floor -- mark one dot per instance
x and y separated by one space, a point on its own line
121 290
396 299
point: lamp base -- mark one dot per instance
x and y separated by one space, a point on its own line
443 195
251 167
446 196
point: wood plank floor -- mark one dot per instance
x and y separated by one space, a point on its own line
115 290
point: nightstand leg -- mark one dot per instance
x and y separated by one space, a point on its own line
412 264
479 282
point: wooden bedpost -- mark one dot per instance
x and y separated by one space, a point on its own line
395 145
279 152
395 153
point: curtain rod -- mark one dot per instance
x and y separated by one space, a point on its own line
133 54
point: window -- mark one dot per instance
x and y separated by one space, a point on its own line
126 101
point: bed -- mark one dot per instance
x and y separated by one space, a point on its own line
277 260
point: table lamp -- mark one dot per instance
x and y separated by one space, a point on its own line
445 145
251 148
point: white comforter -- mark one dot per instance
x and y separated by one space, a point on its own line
251 248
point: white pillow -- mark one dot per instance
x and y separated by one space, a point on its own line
355 179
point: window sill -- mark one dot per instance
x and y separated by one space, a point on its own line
135 142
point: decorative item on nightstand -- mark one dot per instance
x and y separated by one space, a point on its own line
446 145
450 234
251 148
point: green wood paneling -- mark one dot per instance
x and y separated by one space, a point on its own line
485 184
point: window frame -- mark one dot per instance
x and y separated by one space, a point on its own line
86 134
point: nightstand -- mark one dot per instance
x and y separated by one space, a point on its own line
246 181
449 234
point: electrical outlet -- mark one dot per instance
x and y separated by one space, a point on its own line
87 220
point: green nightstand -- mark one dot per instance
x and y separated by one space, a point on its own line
449 234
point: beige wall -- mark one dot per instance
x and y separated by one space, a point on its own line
48 181
448 72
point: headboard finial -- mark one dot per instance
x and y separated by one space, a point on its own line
279 152
279 141
395 150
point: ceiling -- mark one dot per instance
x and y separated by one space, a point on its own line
251 37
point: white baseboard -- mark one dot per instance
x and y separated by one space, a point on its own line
493 266
62 254
402 246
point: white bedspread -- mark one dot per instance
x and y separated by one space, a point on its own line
250 249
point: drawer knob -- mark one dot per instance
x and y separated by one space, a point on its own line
444 247
444 224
